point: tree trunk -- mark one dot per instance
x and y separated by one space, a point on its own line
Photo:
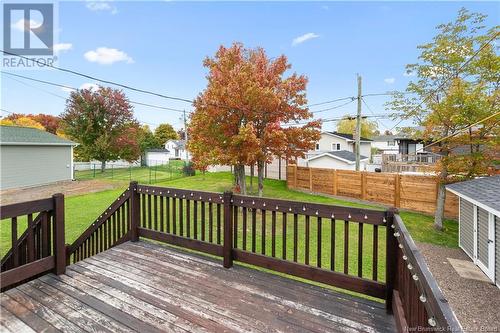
441 198
242 179
252 173
103 166
260 175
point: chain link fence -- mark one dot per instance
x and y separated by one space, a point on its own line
126 172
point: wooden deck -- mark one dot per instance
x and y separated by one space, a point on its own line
152 288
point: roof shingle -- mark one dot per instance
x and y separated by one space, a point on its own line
15 135
484 190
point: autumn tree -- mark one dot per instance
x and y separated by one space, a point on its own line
22 121
146 140
456 86
238 118
347 125
49 122
103 124
165 132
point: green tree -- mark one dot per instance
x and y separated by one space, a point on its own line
103 124
348 126
165 132
146 140
455 86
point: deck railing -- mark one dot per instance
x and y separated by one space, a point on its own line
362 250
41 247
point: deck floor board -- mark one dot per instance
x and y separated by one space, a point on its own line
146 287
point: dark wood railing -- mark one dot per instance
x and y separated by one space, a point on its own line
111 228
418 304
362 250
41 247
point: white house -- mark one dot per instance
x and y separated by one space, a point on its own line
386 144
336 151
174 150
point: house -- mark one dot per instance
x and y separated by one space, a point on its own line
339 159
174 150
479 222
30 157
336 151
386 144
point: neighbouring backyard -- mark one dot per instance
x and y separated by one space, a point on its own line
82 210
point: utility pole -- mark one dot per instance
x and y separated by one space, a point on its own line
186 137
358 125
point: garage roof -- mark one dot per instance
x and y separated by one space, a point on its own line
26 136
480 191
343 155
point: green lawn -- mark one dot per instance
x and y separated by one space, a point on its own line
82 210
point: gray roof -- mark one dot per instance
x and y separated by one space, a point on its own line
16 135
382 138
158 150
484 190
180 144
343 154
348 136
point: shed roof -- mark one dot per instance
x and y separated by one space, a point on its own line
348 136
26 136
484 191
343 155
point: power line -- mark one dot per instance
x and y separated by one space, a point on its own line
352 99
100 80
332 101
73 88
371 111
452 75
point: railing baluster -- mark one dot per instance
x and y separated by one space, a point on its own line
113 228
273 234
295 236
155 205
118 223
150 222
143 204
219 218
188 218
346 247
254 229
244 218
167 212
306 259
332 244
235 226
181 217
263 239
174 216
211 223
195 218
360 249
318 258
30 239
202 220
15 249
44 228
284 236
162 215
375 252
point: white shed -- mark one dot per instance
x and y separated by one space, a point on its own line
341 160
479 222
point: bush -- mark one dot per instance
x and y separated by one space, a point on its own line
188 169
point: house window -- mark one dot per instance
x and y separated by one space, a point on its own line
335 146
317 146
391 143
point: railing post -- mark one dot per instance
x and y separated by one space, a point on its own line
134 209
391 253
59 241
228 230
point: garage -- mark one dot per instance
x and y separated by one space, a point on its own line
30 157
479 223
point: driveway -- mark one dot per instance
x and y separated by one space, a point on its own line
68 188
476 303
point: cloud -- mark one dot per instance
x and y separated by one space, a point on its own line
305 37
390 80
107 56
21 24
87 85
62 47
101 5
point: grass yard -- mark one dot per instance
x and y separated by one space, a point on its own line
81 210
144 175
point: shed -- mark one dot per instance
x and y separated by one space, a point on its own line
30 157
479 222
157 156
338 159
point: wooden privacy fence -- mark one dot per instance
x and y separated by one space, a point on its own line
362 250
413 192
